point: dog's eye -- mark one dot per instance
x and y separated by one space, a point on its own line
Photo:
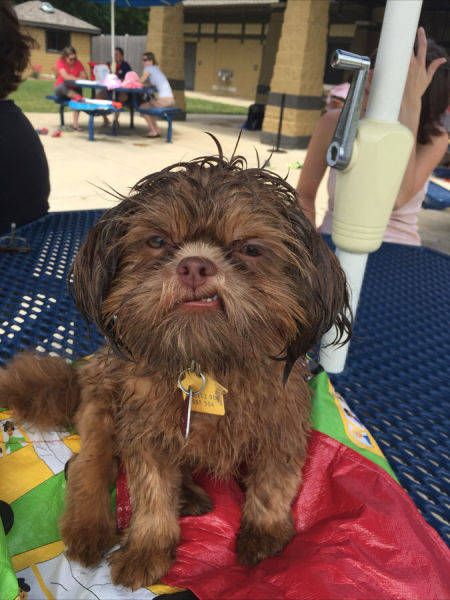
251 250
156 241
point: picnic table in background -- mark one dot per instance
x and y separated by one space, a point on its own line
96 109
133 94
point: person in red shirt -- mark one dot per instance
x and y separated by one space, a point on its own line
68 69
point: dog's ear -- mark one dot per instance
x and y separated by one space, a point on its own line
324 296
95 266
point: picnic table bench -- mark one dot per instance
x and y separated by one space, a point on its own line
92 110
167 113
62 102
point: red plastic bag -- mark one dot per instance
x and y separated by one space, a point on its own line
359 535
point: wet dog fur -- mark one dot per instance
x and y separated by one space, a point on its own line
243 236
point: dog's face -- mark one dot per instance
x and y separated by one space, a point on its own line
212 262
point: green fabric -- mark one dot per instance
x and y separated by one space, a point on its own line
15 443
36 515
327 419
9 588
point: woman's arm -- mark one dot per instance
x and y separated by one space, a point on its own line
424 158
65 75
144 77
315 164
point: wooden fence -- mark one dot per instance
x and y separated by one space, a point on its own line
132 45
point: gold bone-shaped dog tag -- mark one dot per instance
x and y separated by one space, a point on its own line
210 399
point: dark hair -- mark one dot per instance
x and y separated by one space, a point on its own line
435 98
7 425
119 49
15 48
67 51
150 56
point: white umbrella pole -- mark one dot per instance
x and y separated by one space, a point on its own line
332 358
393 57
391 69
113 35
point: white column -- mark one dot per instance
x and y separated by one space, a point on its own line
332 358
113 35
393 56
399 29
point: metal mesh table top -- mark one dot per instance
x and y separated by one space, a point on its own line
397 378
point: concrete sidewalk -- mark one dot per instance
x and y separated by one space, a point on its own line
79 168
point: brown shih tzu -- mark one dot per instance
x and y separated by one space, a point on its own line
206 261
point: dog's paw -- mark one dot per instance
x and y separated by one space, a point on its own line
194 501
136 568
254 544
87 543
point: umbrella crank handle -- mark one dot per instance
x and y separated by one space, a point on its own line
340 150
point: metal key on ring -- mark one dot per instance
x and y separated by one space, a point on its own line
190 393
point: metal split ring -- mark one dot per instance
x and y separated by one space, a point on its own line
190 390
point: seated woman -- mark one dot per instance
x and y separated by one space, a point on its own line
423 106
153 76
68 69
24 178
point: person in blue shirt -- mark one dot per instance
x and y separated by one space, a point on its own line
122 67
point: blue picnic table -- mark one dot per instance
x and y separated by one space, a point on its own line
133 93
94 110
168 113
398 369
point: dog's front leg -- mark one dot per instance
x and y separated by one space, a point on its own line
87 526
149 545
267 524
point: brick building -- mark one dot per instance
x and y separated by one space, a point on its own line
262 49
54 29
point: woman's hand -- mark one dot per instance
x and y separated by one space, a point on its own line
425 157
419 75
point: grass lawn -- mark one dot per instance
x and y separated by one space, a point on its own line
196 105
31 98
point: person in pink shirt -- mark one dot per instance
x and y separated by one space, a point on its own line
68 69
423 107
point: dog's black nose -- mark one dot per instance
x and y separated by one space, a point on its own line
194 271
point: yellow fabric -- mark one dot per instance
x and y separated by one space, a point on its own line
37 555
12 465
